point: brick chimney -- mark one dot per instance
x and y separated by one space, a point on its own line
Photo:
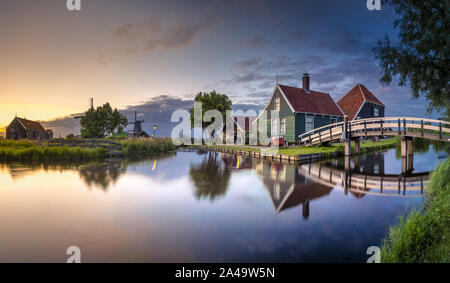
305 81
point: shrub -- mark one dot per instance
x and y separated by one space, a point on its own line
424 235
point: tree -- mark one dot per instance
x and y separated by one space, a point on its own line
211 101
421 58
103 120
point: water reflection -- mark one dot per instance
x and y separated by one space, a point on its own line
205 207
210 177
102 175
290 186
287 185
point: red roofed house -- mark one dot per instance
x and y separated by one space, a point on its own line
21 128
360 103
300 110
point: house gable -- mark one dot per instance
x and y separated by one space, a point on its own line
355 103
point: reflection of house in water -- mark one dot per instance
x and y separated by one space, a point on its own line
288 188
237 162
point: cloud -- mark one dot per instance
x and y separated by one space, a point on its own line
254 42
156 33
177 37
344 42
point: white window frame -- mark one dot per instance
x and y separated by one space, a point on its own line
283 127
277 104
306 123
376 112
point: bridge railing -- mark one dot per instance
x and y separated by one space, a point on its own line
419 127
331 130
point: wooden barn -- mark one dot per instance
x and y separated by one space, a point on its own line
21 128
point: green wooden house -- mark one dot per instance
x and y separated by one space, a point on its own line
300 110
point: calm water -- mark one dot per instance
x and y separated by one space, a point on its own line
201 206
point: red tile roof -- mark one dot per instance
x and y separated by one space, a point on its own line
313 102
31 125
352 101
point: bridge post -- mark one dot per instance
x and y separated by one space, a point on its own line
357 146
410 143
404 165
410 163
347 164
348 148
347 140
403 147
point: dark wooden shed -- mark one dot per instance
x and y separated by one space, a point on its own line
21 128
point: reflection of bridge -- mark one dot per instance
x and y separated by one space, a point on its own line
362 183
406 127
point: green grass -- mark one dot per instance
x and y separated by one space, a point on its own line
424 235
366 146
34 154
25 151
141 148
15 144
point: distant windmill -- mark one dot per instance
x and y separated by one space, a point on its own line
137 129
91 103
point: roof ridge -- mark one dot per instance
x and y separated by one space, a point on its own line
362 92
302 89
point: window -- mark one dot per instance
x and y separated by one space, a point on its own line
283 126
375 111
309 124
274 127
277 104
333 120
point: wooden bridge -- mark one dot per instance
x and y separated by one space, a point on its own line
114 149
406 127
410 185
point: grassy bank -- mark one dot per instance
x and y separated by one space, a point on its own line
424 235
142 148
31 152
366 146
35 153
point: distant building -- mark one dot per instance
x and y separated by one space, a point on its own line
21 128
49 134
360 103
242 126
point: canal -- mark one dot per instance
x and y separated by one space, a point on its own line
206 207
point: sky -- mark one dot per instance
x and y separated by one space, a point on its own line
154 56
